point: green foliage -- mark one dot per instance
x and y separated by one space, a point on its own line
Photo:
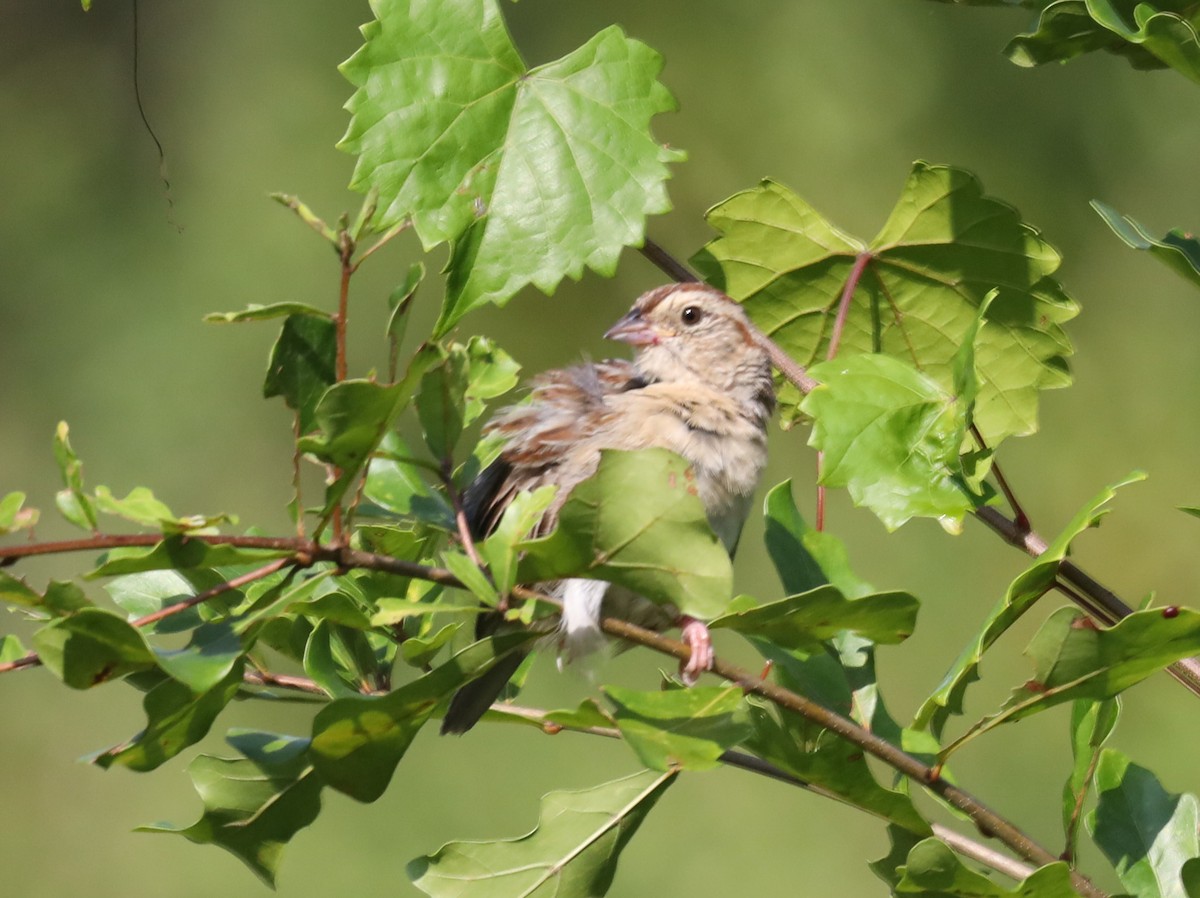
573 851
929 346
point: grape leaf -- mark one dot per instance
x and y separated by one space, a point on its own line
637 522
1146 833
1178 250
253 805
573 851
534 173
924 278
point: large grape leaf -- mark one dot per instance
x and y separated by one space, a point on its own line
573 851
534 172
920 285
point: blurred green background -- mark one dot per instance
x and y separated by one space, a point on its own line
102 289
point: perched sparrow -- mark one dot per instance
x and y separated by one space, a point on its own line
700 385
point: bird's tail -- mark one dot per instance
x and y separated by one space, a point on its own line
472 701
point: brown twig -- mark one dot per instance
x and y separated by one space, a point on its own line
228 586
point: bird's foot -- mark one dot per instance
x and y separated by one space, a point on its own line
695 636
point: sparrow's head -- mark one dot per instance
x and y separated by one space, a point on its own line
694 332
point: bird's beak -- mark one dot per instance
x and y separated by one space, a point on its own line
634 330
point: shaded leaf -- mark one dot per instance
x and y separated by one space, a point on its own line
255 312
322 666
1147 833
394 482
253 805
179 553
933 870
688 728
441 403
573 851
90 647
1178 250
457 135
302 363
213 650
176 717
639 523
821 614
1026 589
1149 35
803 557
357 742
399 302
891 435
944 248
1074 658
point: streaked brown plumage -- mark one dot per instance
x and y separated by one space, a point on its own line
700 385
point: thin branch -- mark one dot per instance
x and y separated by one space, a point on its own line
1021 519
668 264
839 323
260 677
381 242
228 586
29 660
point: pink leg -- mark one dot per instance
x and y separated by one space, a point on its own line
695 635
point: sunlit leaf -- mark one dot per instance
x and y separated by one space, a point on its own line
892 436
253 805
1026 589
13 516
688 728
456 134
1147 833
180 553
944 248
501 549
141 507
573 851
638 522
1178 250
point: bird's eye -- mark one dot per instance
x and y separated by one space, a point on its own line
691 315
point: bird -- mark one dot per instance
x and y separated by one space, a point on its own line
700 384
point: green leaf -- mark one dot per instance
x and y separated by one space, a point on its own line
302 365
687 728
441 403
13 517
457 135
805 558
491 372
573 851
90 647
1148 35
1091 725
1178 250
255 312
821 614
17 592
395 484
399 302
892 436
253 805
11 649
418 651
322 665
75 505
637 522
213 650
1031 585
501 550
141 507
179 553
357 742
1147 833
833 765
176 717
934 871
471 576
149 592
943 249
1074 658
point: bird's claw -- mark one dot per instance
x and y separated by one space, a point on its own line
696 637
